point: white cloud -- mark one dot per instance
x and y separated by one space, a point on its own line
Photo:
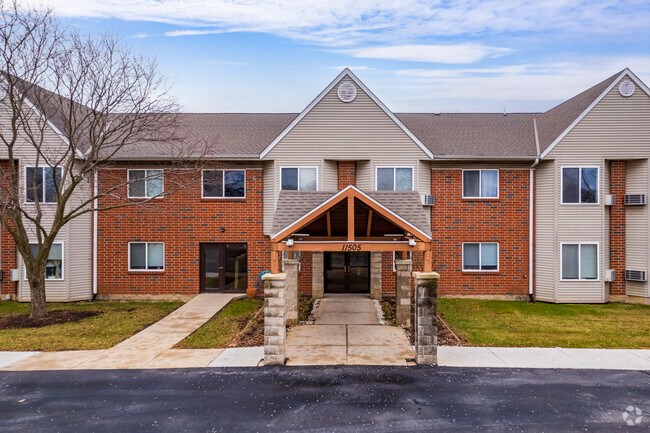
450 54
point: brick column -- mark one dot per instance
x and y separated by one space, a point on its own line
375 275
347 173
426 329
317 274
403 293
291 291
617 173
275 330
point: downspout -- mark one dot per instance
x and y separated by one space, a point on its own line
531 203
95 215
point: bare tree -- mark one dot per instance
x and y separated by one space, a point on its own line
70 104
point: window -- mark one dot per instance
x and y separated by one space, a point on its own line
394 178
400 255
579 261
41 184
146 256
579 185
145 183
224 183
481 256
54 265
300 178
480 183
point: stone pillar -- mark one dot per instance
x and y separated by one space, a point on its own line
291 291
317 274
275 330
403 293
426 328
375 275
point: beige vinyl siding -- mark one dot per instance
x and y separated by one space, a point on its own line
356 131
636 227
545 255
268 196
616 128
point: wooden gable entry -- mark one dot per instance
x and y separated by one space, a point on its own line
350 221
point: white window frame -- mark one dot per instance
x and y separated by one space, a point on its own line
580 203
480 250
410 257
146 183
299 167
394 167
580 262
44 195
62 263
223 186
146 257
480 180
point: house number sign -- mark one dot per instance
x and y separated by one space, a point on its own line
351 247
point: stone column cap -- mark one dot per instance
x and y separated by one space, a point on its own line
426 275
403 262
281 276
291 261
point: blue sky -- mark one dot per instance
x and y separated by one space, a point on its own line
416 56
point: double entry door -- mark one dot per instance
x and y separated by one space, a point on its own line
224 267
347 272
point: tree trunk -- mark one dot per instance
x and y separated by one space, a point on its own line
37 289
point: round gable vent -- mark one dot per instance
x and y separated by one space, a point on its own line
347 92
626 88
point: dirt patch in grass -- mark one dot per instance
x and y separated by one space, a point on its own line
238 324
56 317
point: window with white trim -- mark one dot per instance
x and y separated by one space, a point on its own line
299 178
579 185
41 184
146 256
481 256
54 265
579 261
394 178
480 183
145 183
224 183
400 255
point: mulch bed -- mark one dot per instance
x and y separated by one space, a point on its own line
251 332
55 317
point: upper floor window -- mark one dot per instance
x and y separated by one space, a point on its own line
480 183
54 265
481 256
394 178
41 183
145 183
299 178
146 256
579 185
224 183
579 261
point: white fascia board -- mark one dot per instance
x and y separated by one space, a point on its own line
321 95
625 72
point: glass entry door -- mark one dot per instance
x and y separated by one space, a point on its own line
347 272
224 267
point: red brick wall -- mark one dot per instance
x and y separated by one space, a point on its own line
455 220
7 246
304 276
617 226
182 220
347 173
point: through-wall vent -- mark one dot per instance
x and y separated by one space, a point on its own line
631 275
635 199
429 200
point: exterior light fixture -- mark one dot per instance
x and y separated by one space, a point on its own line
411 242
290 242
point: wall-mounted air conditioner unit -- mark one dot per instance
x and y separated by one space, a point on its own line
428 200
610 275
635 199
610 200
631 275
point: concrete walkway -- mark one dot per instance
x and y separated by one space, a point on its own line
149 348
347 332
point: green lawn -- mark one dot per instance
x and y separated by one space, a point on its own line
226 325
117 321
524 324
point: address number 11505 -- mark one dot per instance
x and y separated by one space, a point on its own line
351 247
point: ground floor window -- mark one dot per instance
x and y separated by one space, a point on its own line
481 256
146 256
579 261
224 267
54 266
